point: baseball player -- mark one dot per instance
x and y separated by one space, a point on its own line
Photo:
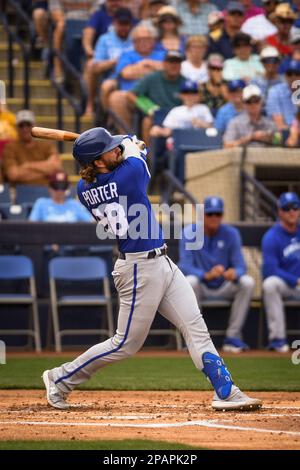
114 167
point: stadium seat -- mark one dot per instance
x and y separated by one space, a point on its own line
14 268
27 194
81 269
4 194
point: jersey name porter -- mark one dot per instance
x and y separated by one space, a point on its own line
100 194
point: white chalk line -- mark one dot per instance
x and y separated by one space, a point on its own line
204 423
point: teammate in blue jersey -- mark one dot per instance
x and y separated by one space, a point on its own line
113 188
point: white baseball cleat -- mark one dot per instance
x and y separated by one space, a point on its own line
237 401
54 396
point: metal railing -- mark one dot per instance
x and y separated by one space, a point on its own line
257 202
25 48
171 183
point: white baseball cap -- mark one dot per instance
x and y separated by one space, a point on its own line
25 115
250 91
269 52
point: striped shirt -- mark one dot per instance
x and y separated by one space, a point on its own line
74 9
194 23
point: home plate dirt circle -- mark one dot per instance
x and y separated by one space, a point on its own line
182 417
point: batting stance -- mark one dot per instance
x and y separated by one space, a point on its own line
146 279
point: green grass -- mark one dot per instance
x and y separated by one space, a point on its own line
159 373
128 444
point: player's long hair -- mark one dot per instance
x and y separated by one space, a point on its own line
88 173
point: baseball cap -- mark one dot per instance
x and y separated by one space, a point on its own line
214 17
215 60
235 6
59 180
168 12
213 204
293 66
234 85
250 91
25 116
289 200
123 15
188 86
174 56
269 52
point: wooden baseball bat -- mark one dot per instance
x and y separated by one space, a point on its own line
53 134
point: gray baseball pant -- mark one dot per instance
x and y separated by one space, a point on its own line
144 287
241 294
275 290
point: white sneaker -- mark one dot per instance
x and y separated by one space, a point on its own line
54 396
237 400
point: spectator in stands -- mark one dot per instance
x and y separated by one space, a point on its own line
58 207
281 268
295 45
233 108
168 23
214 92
259 27
294 132
250 9
160 88
29 161
245 65
108 49
195 67
215 23
283 18
280 106
218 270
150 11
269 7
270 59
40 18
250 127
133 66
98 24
8 131
190 115
69 20
234 16
194 15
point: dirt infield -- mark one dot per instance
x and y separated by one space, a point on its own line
183 417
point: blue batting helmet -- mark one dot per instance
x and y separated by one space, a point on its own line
92 143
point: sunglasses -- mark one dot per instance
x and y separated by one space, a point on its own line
285 21
292 73
271 60
214 214
213 67
253 101
24 124
235 13
291 207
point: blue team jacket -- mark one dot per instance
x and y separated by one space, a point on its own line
223 248
281 254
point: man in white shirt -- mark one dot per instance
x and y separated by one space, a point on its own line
190 115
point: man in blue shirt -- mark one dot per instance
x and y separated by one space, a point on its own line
234 106
218 270
281 267
113 188
280 106
58 207
109 47
133 66
98 24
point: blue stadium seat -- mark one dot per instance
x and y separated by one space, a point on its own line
83 269
4 193
14 268
28 194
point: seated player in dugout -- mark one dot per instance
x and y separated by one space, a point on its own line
147 281
218 270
